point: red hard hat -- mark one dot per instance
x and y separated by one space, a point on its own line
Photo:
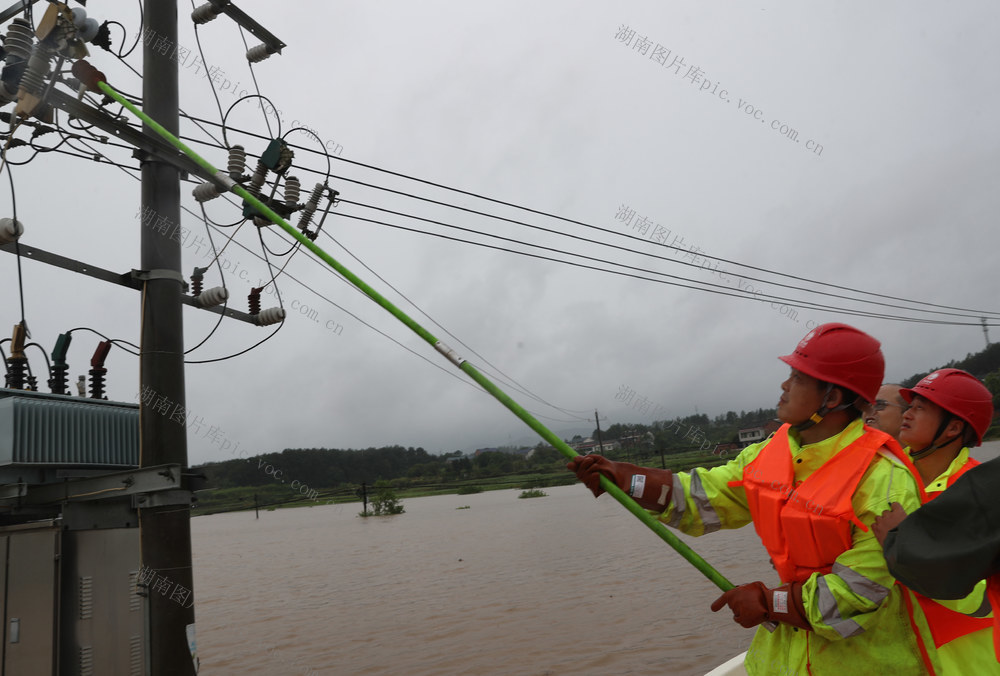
842 355
958 392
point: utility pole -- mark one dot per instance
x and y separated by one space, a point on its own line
986 331
165 527
599 440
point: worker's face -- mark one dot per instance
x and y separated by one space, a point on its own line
920 423
801 396
886 413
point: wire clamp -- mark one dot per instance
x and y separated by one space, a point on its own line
223 181
449 353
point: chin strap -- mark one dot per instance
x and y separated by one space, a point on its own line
823 411
924 452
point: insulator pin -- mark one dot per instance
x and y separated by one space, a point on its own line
217 295
237 162
254 300
10 230
205 192
19 39
271 315
204 13
292 190
258 53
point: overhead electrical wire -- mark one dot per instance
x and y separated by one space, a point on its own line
727 292
621 248
802 304
960 311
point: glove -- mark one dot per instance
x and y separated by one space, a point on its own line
754 603
887 521
649 487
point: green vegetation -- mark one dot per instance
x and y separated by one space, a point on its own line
532 493
385 502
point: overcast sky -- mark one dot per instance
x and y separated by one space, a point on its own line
851 143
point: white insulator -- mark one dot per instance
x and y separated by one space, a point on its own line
292 190
10 230
258 53
89 30
237 162
258 178
33 80
271 315
217 295
205 192
310 206
306 217
19 39
79 16
205 13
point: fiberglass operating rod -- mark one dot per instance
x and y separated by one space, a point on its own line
224 182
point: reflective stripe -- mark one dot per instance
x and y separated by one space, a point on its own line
677 496
860 585
985 609
706 512
831 614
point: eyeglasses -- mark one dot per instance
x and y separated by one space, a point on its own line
882 404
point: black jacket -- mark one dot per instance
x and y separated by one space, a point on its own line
944 548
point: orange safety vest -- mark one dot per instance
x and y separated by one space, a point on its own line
806 526
946 624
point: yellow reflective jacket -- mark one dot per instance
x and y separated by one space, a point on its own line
858 615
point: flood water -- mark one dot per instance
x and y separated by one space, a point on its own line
563 584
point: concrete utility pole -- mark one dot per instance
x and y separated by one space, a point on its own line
986 331
600 442
165 530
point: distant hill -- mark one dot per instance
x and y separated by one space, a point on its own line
980 364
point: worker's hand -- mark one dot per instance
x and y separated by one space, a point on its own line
589 468
747 602
649 487
754 603
887 521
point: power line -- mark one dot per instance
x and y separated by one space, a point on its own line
966 312
727 292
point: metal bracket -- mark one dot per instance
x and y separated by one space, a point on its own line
241 18
163 499
13 491
149 275
126 279
105 486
